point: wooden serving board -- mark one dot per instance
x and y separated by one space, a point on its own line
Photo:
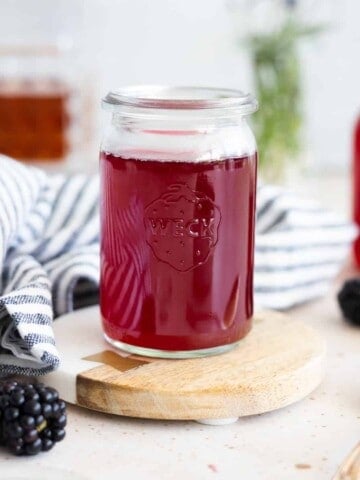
278 363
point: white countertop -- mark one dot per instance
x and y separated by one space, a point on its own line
307 440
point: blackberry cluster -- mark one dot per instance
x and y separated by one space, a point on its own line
349 300
32 417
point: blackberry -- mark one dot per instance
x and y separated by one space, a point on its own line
32 417
349 300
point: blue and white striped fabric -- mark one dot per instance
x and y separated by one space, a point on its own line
299 248
49 256
49 259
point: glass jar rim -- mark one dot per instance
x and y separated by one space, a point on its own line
180 98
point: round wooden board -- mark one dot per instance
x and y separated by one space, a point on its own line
278 363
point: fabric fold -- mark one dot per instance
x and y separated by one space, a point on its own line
49 244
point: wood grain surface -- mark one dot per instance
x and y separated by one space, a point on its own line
278 363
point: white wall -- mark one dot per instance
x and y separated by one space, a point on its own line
193 42
332 85
188 41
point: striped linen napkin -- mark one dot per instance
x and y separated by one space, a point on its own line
49 256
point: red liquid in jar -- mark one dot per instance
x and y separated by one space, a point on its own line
356 188
177 251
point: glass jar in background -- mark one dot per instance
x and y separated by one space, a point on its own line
178 181
356 187
45 106
47 83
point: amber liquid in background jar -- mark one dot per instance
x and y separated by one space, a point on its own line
178 184
34 119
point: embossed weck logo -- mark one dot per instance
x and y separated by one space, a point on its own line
182 227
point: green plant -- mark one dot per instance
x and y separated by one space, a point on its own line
278 84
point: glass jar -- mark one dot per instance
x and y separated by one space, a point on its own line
356 188
33 104
45 106
178 182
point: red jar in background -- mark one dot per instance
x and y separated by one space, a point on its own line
356 188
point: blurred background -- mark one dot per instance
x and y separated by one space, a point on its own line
300 58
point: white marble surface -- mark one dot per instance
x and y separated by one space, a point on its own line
316 433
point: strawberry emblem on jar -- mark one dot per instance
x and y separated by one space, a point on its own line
182 227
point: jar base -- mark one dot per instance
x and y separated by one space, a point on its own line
170 354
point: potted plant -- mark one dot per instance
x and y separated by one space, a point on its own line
272 31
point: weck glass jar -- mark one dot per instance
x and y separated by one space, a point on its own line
178 183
